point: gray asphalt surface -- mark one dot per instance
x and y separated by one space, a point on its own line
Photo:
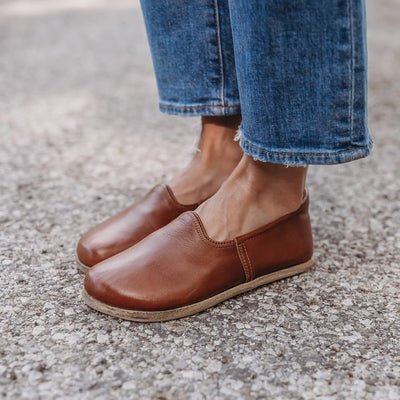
81 137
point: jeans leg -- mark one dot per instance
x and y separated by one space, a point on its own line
192 52
302 75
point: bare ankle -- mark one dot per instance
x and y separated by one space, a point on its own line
216 157
286 182
216 141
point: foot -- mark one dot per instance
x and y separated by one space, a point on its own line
255 194
215 159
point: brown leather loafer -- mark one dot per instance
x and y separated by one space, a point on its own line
178 270
121 231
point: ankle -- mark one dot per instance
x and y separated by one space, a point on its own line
215 159
217 142
271 185
217 150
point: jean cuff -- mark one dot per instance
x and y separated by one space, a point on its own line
301 157
199 109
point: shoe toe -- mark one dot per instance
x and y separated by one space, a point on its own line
88 250
107 284
96 283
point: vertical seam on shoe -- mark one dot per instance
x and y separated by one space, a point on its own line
243 260
221 65
249 262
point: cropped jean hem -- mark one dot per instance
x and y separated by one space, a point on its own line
198 109
303 157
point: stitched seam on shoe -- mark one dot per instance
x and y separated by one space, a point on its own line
249 263
171 201
284 220
176 203
205 238
243 261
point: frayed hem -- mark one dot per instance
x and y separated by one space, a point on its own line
238 138
297 159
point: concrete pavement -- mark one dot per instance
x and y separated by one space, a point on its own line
81 138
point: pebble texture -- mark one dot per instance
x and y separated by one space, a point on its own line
81 138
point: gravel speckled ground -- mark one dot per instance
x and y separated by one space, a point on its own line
81 137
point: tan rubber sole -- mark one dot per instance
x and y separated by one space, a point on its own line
166 315
81 266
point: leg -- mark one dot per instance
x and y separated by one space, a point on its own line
192 51
255 194
302 74
195 71
301 68
216 157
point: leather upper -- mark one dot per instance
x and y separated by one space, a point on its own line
180 265
126 228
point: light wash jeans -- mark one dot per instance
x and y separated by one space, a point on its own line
296 70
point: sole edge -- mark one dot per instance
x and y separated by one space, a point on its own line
80 265
185 311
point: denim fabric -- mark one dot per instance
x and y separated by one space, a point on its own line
192 50
295 69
